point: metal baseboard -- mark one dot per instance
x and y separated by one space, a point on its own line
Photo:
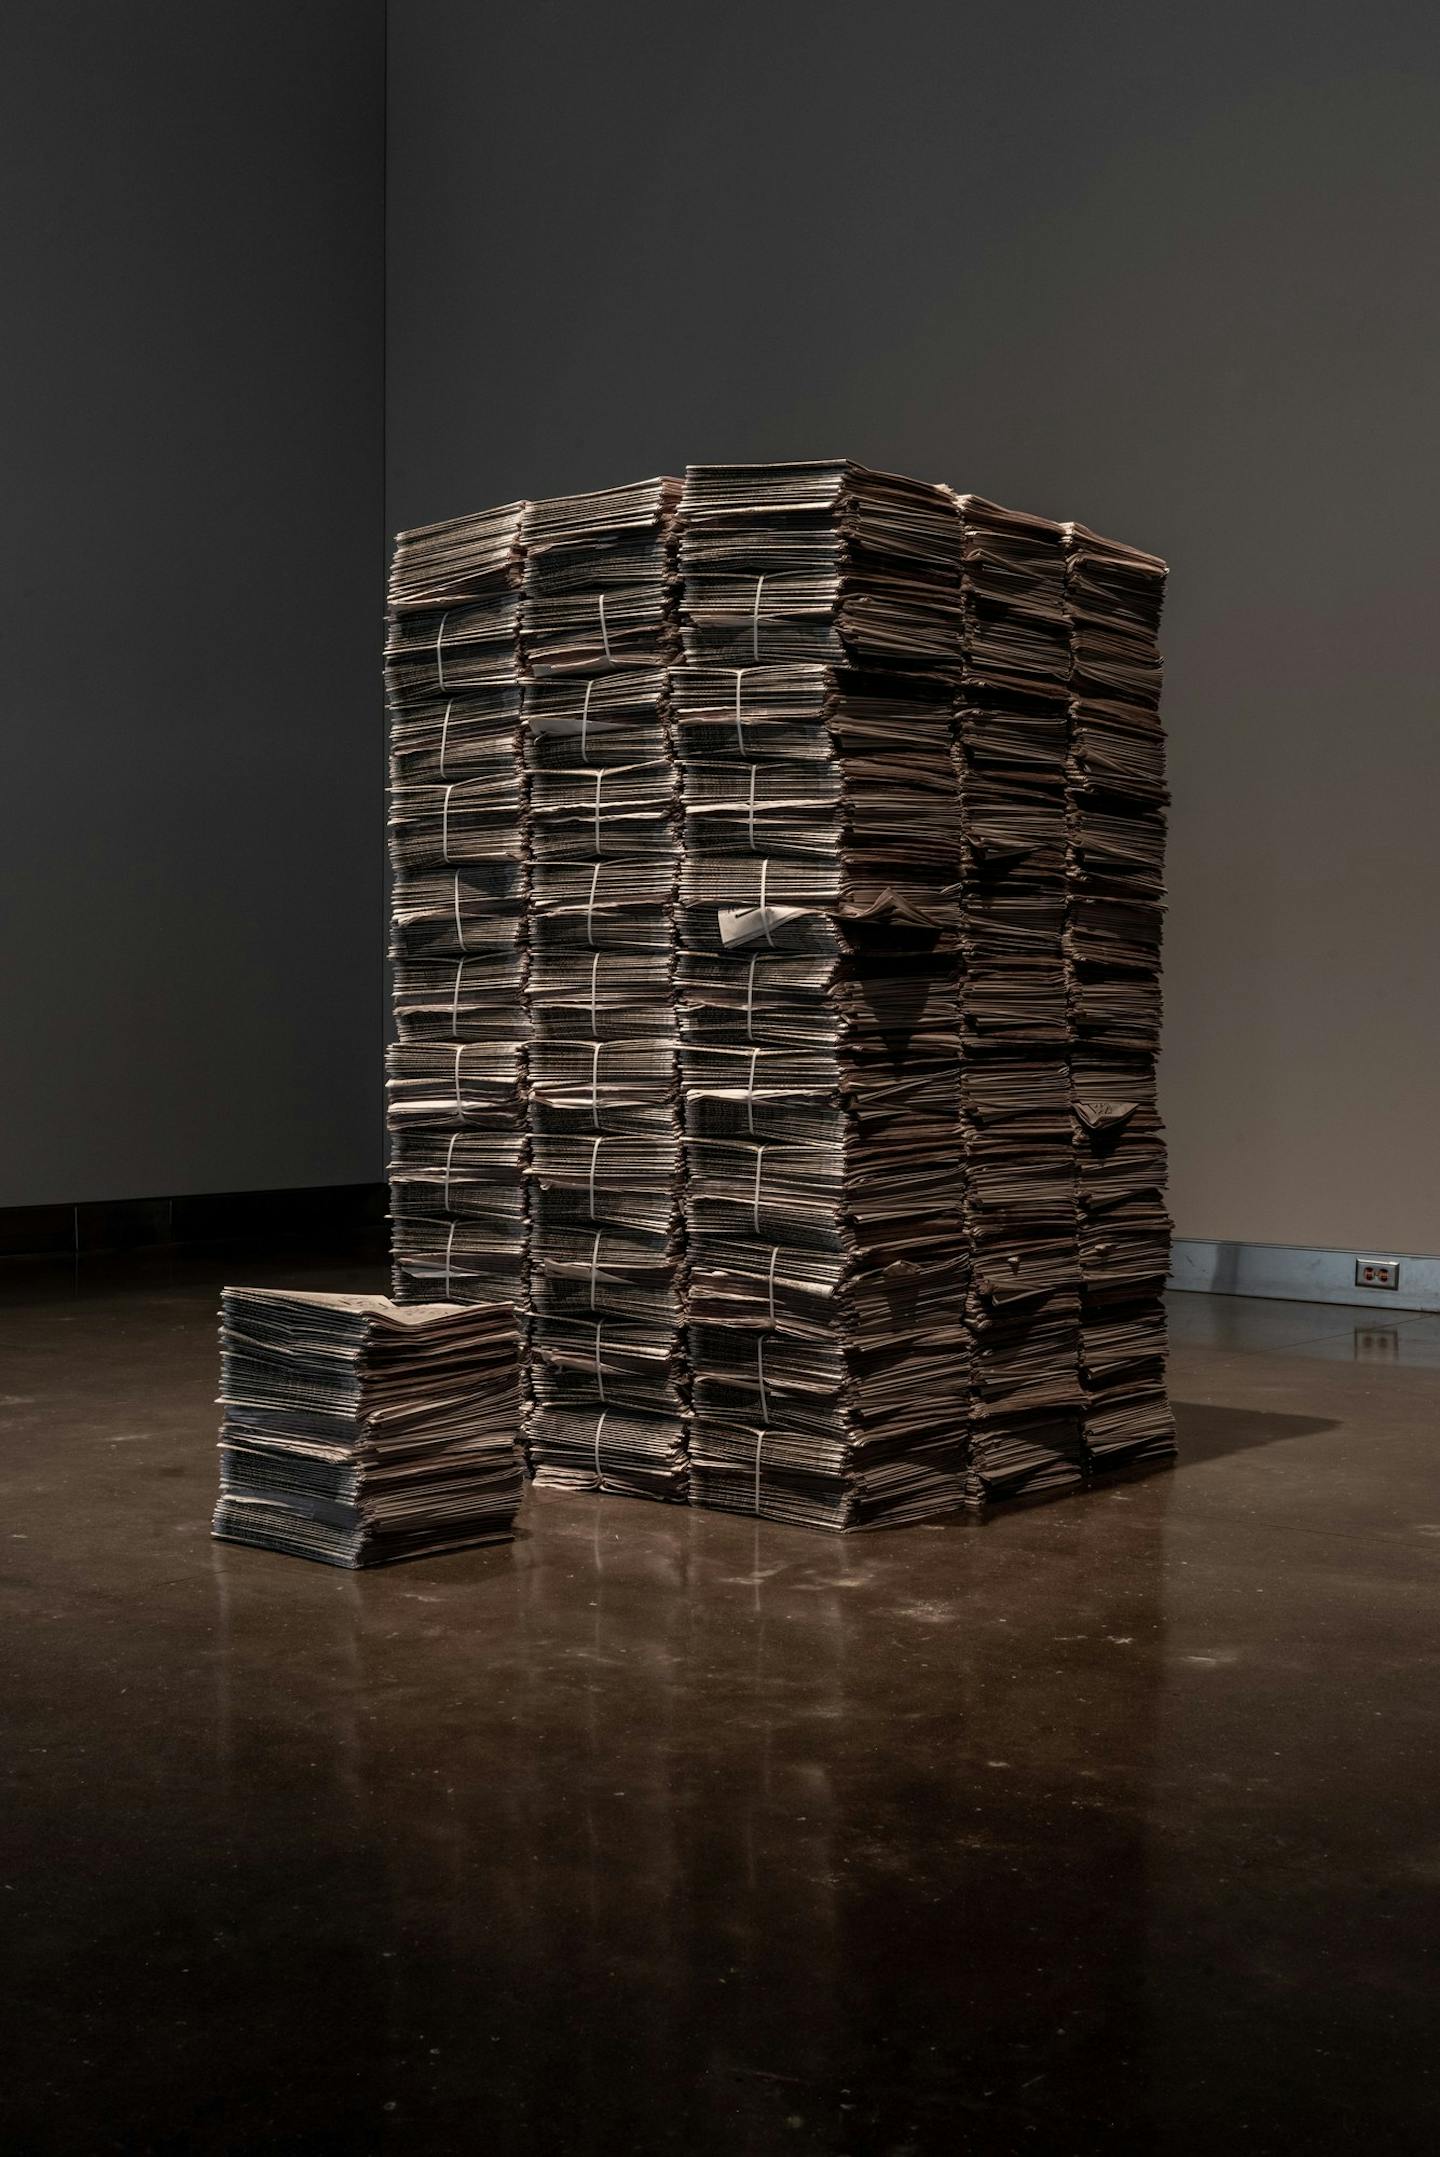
1295 1275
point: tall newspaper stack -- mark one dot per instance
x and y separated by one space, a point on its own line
777 917
605 1170
1116 857
458 1133
1010 745
820 616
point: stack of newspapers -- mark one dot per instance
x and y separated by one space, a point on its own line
357 1432
778 862
604 1172
1116 839
820 615
1010 748
458 1128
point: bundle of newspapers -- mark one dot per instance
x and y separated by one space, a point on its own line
818 928
457 1082
598 624
1010 749
358 1432
777 899
1116 803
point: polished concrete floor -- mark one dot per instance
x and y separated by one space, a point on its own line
1109 1826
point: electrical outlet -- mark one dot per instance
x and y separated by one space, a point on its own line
1377 1273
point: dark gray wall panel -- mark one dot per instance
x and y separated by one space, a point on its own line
1167 269
191 378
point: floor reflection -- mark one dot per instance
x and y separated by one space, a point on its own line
665 1831
731 1834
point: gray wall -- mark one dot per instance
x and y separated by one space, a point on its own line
1167 269
191 380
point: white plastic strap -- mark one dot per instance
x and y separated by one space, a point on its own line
459 924
594 971
595 1048
755 617
585 719
759 1443
449 1157
439 654
599 1366
770 1280
750 1093
599 782
445 824
594 1265
590 907
445 734
449 1247
755 1197
750 997
595 1145
750 813
604 632
739 722
600 1425
455 999
459 1098
764 878
760 1374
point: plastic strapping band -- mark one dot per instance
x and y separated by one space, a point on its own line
594 1263
445 734
595 1145
750 814
585 719
770 1282
750 997
759 1442
750 1093
594 970
449 1247
599 782
459 924
599 1366
449 1157
764 876
600 1425
445 824
739 722
439 654
755 1200
595 1048
760 1374
755 617
459 1099
604 632
590 907
455 999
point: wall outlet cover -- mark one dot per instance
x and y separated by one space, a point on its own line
1377 1273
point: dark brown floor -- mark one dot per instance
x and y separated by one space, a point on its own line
1110 1826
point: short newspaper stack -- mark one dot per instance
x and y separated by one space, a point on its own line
598 630
457 1071
358 1432
1116 861
778 902
820 613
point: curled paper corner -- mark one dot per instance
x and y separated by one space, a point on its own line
1105 1115
746 924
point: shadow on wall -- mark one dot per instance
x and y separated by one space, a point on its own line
1208 1432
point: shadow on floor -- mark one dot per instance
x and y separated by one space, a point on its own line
1205 1431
